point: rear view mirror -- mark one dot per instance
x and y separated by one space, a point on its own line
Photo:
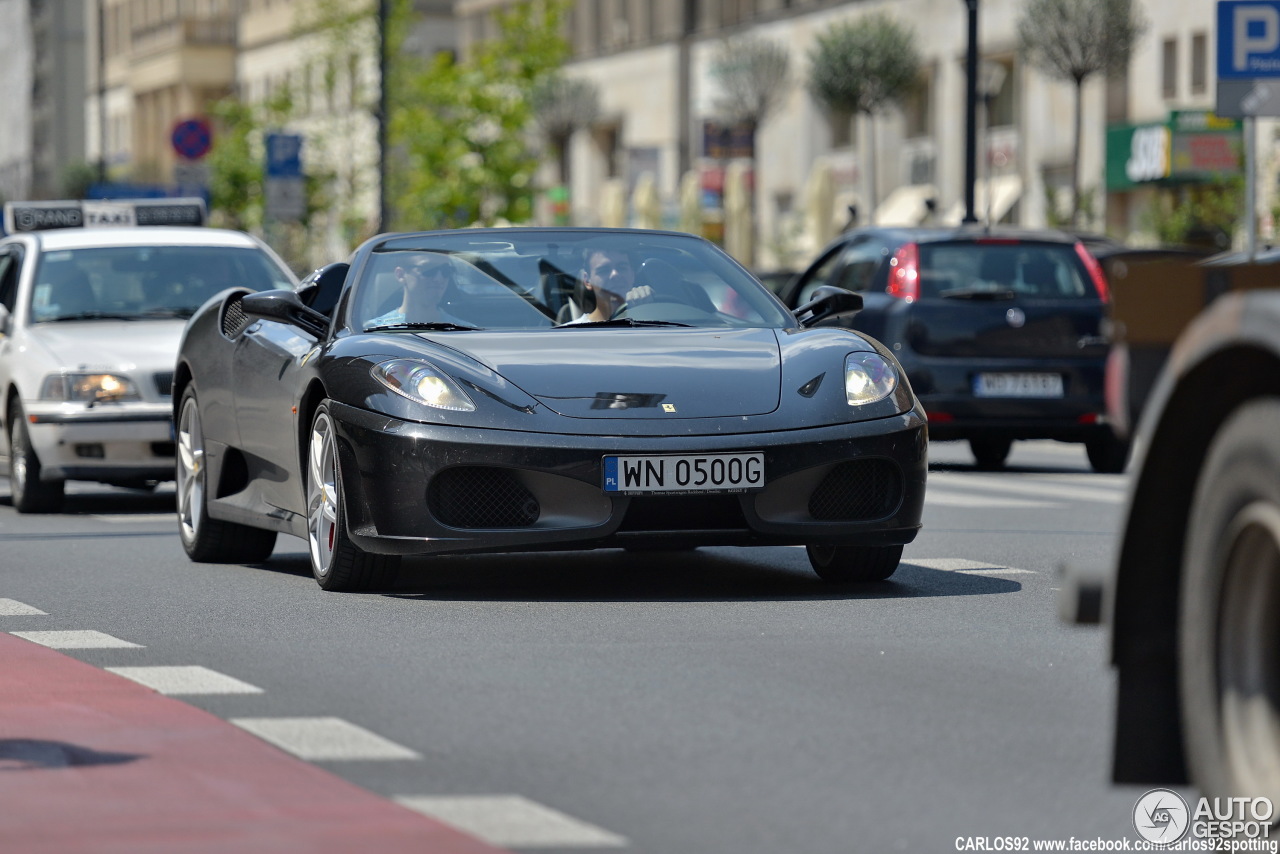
285 306
828 301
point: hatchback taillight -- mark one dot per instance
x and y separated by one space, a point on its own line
904 273
1095 272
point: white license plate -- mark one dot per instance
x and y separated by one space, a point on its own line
1017 385
684 473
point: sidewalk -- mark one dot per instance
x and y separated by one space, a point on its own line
93 762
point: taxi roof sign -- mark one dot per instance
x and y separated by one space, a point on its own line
42 216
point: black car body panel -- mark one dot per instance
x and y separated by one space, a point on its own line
524 468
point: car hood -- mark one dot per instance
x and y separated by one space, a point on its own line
111 344
636 373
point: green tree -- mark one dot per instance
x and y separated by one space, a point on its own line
864 66
237 159
460 129
1072 40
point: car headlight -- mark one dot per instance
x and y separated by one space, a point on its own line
88 388
422 383
868 377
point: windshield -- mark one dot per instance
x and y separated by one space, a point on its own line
563 280
141 282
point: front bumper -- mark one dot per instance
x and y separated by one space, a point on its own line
113 443
413 488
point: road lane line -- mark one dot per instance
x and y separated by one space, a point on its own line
135 518
14 608
185 680
969 567
87 639
512 821
324 739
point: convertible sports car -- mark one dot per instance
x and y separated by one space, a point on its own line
530 389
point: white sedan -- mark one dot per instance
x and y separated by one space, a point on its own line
90 320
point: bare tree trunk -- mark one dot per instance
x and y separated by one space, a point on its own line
1075 156
872 201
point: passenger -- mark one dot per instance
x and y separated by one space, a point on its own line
427 281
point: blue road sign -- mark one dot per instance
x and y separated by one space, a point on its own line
284 155
192 138
1248 39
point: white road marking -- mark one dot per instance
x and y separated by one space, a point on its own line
185 680
952 498
14 608
513 821
135 518
324 739
970 567
1011 484
77 640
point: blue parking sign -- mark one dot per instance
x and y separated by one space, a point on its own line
1248 39
284 155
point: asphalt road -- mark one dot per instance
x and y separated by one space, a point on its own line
719 701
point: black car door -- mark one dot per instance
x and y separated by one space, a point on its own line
266 373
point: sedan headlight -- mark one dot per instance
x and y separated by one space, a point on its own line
868 377
88 388
422 382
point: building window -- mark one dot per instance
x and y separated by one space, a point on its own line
1169 68
1199 63
917 110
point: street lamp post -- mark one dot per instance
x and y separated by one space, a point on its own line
971 113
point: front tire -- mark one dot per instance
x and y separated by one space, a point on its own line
30 493
336 562
208 540
854 564
1229 611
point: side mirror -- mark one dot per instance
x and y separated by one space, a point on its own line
321 290
828 301
285 306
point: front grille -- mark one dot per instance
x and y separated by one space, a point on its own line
858 490
481 497
684 513
234 319
164 383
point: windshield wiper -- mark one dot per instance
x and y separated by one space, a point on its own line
435 325
979 293
93 315
621 321
169 312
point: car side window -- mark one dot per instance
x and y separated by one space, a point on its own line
824 273
862 261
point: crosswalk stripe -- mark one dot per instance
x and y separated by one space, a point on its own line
324 739
952 498
14 608
185 680
77 640
510 820
1017 487
969 567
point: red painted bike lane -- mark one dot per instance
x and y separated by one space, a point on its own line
93 762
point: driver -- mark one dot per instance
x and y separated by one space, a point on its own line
608 281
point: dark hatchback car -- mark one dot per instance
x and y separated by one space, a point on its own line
1001 332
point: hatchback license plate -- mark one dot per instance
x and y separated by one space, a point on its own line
1017 385
684 473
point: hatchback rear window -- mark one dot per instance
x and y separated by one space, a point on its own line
1031 270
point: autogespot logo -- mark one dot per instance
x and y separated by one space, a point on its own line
1161 816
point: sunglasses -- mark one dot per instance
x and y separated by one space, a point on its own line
433 271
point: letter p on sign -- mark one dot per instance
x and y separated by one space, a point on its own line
1257 30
